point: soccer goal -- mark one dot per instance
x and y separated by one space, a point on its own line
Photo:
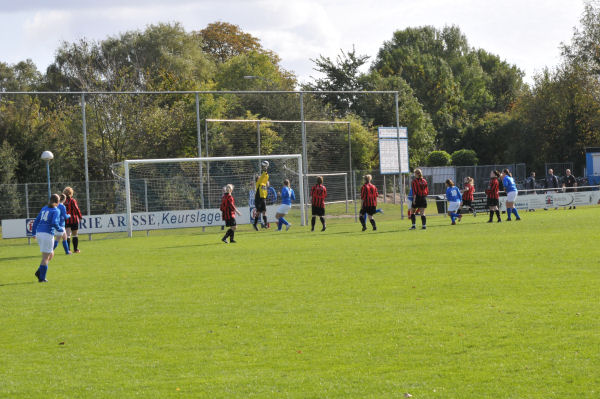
187 192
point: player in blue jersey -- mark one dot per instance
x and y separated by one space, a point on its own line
287 196
63 218
454 198
511 194
46 224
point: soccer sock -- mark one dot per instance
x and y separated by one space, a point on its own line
227 234
265 219
508 213
43 271
413 219
55 244
69 243
452 216
362 220
66 247
514 210
498 215
491 215
423 220
322 220
75 243
284 221
373 224
312 222
231 235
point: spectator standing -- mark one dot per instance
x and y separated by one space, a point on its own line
551 184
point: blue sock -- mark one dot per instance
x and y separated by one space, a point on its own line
279 224
43 270
379 211
55 244
284 221
514 210
452 216
66 246
509 213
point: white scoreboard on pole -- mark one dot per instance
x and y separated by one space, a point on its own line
389 137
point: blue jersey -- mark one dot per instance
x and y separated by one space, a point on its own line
287 196
453 194
509 184
63 215
47 221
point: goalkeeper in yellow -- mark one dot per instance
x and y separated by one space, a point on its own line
260 198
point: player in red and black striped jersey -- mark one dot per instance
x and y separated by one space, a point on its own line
419 204
72 224
368 195
229 211
467 197
318 193
493 195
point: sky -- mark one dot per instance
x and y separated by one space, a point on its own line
526 33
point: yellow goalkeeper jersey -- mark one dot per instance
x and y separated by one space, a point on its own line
261 185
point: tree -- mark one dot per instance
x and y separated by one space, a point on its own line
224 41
438 158
342 75
464 158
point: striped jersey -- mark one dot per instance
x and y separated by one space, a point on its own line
368 194
228 206
318 194
419 187
73 210
493 188
468 191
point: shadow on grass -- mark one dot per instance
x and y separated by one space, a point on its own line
22 283
18 257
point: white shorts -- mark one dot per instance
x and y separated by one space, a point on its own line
46 242
58 234
284 209
453 206
510 197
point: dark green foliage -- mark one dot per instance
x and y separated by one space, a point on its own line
464 158
438 158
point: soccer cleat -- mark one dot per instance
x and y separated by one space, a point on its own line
424 228
312 229
364 228
232 241
518 219
509 220
224 240
499 220
42 281
324 228
374 228
68 253
413 227
490 221
255 228
77 251
287 226
453 222
37 274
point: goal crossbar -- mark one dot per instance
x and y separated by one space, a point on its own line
128 162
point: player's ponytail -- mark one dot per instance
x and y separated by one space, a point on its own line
507 172
54 199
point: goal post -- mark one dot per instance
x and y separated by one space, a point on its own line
179 183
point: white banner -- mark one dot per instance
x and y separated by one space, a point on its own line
20 228
553 200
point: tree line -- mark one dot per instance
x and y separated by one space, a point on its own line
452 97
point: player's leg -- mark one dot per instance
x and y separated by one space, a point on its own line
371 213
75 237
362 216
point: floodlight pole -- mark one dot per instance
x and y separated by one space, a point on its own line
48 174
399 158
199 133
304 152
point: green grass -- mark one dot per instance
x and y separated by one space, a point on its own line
476 310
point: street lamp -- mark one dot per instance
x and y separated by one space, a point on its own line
47 156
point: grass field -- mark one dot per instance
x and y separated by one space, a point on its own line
476 310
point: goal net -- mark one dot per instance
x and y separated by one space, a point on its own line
187 192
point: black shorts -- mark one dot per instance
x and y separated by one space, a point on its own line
318 211
467 202
419 202
370 210
72 226
260 204
230 222
493 202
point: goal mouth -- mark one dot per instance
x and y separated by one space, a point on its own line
197 184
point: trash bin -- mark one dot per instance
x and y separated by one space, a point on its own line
440 201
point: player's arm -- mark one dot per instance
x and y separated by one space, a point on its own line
77 210
36 223
56 222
